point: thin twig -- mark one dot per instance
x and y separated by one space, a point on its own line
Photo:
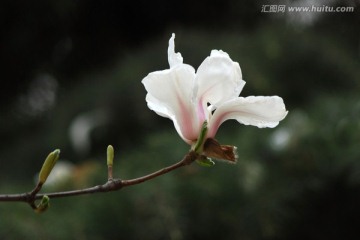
109 186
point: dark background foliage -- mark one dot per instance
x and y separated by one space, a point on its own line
71 79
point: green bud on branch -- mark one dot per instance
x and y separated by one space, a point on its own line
43 205
110 155
110 161
48 165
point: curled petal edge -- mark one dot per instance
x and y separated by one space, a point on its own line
259 111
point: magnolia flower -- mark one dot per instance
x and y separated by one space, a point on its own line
211 95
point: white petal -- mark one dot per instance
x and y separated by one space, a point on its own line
218 79
169 95
165 111
256 111
173 58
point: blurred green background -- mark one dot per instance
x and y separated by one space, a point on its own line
71 76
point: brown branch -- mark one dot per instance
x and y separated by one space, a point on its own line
109 186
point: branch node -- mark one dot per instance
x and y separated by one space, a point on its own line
112 185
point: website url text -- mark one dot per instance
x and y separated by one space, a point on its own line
323 8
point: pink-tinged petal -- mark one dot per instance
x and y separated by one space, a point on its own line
170 94
164 111
218 79
256 111
173 58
